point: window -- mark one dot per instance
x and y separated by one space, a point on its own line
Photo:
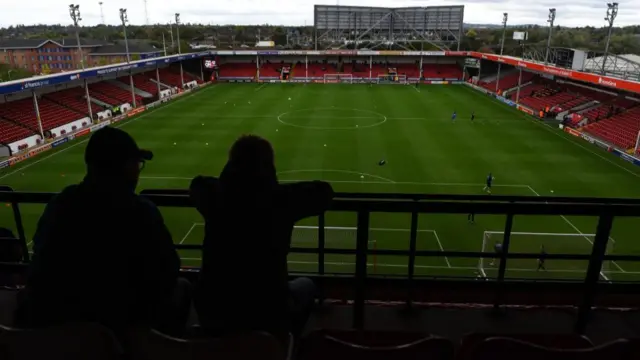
41 58
49 57
33 58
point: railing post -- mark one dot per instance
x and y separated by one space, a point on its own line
503 262
20 228
362 242
321 246
605 222
412 256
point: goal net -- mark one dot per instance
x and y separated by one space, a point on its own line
338 78
392 79
553 243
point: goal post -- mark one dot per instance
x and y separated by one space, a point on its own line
554 243
338 78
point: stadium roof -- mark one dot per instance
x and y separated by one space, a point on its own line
624 66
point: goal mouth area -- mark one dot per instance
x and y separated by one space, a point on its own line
533 242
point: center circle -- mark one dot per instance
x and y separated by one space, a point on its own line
353 118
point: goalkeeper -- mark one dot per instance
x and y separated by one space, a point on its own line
541 259
497 247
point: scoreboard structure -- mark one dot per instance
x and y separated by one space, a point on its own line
408 28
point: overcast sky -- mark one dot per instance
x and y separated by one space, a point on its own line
299 12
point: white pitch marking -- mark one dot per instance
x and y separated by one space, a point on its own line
581 233
188 232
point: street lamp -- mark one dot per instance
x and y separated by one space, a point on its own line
178 32
505 16
612 12
179 48
552 18
125 19
74 12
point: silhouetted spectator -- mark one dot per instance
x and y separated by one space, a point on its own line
101 252
249 220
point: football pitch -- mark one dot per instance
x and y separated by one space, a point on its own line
339 133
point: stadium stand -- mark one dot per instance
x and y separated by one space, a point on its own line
238 70
271 69
508 81
74 99
448 71
52 114
142 81
10 131
359 70
620 130
547 98
318 70
170 76
410 70
111 94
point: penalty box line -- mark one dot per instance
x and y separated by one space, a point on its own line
373 241
585 237
436 267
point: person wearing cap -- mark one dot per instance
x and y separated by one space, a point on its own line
250 216
101 252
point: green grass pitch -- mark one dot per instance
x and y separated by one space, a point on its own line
339 133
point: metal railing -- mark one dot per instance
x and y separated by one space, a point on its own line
364 204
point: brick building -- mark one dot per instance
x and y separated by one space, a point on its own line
47 55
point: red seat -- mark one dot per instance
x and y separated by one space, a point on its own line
152 345
69 342
561 341
499 348
350 345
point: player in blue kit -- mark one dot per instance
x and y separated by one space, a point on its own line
454 116
487 187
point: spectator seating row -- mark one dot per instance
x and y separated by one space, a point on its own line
444 71
51 114
11 132
540 101
318 70
271 69
237 70
142 81
75 99
171 76
92 341
359 70
112 94
508 81
620 130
